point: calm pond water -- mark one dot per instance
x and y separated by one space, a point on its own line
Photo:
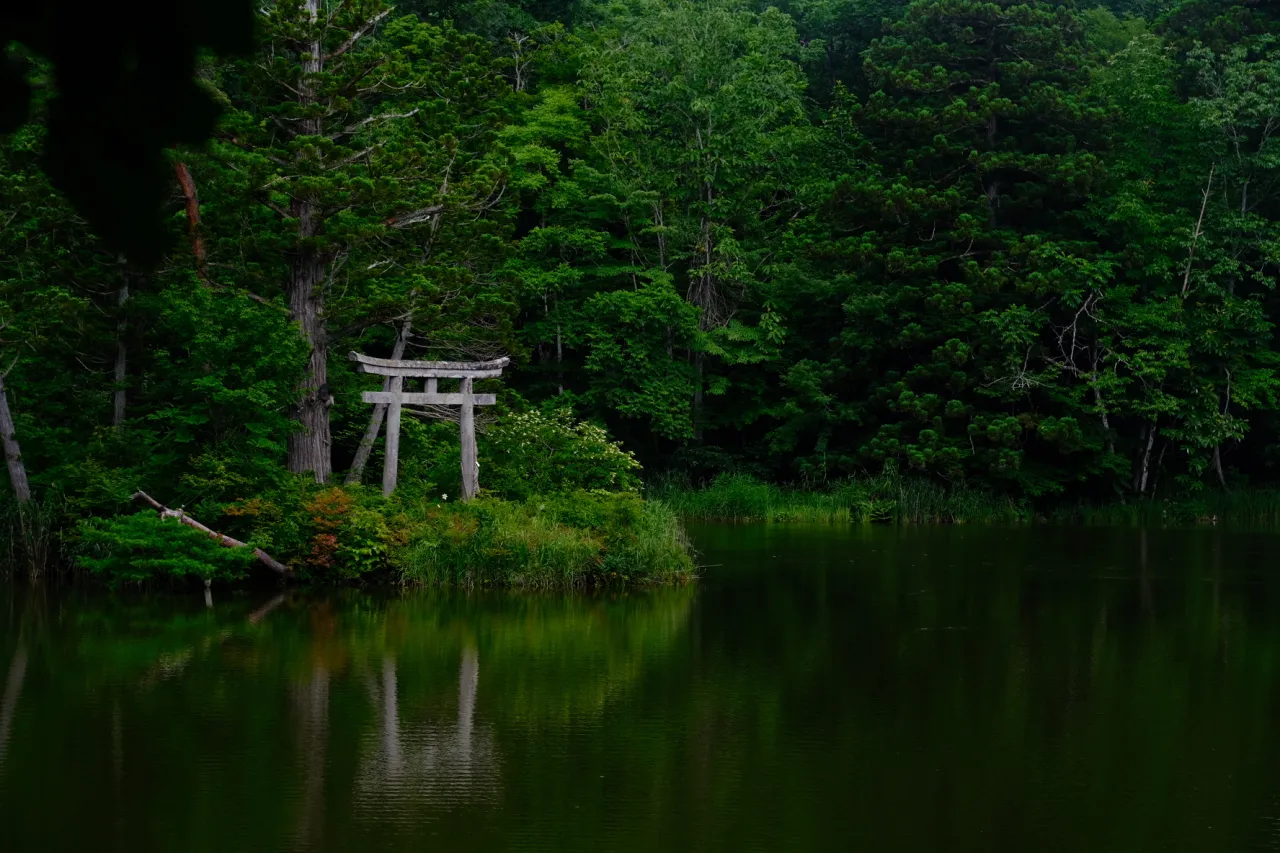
915 689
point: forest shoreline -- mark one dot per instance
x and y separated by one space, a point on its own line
894 499
571 540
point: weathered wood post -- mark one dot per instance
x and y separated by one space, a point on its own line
356 473
467 431
392 463
394 397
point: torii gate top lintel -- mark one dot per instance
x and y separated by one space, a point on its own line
430 369
393 396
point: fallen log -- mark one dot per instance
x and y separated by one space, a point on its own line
222 539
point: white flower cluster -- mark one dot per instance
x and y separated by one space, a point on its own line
537 432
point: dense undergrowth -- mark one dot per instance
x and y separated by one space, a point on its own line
563 540
564 510
883 498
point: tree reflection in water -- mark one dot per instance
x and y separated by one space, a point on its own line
298 722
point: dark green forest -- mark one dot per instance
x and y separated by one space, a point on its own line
1023 248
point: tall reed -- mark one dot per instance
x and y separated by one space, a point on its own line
31 532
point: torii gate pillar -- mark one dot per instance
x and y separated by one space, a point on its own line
395 398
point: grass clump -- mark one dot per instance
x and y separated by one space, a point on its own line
1247 506
579 538
885 498
30 534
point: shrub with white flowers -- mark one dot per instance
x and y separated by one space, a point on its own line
536 452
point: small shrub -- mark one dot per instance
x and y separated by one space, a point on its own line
323 533
348 540
143 547
534 453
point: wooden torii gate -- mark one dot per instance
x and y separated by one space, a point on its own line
395 397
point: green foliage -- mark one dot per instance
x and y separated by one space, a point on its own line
537 453
887 498
144 547
325 534
1021 252
570 539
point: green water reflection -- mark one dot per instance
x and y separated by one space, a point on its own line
877 689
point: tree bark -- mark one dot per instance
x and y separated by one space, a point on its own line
120 397
1155 478
1195 235
1102 413
188 185
356 473
1146 459
559 358
12 452
698 361
310 443
1217 466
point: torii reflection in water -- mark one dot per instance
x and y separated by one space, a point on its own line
409 765
433 762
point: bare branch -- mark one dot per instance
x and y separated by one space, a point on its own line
370 120
1195 236
277 208
414 217
280 124
359 155
358 34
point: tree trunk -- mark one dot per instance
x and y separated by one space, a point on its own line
706 297
1217 466
1155 479
356 473
697 397
12 452
559 359
309 445
1102 412
1097 400
120 397
1146 459
188 186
